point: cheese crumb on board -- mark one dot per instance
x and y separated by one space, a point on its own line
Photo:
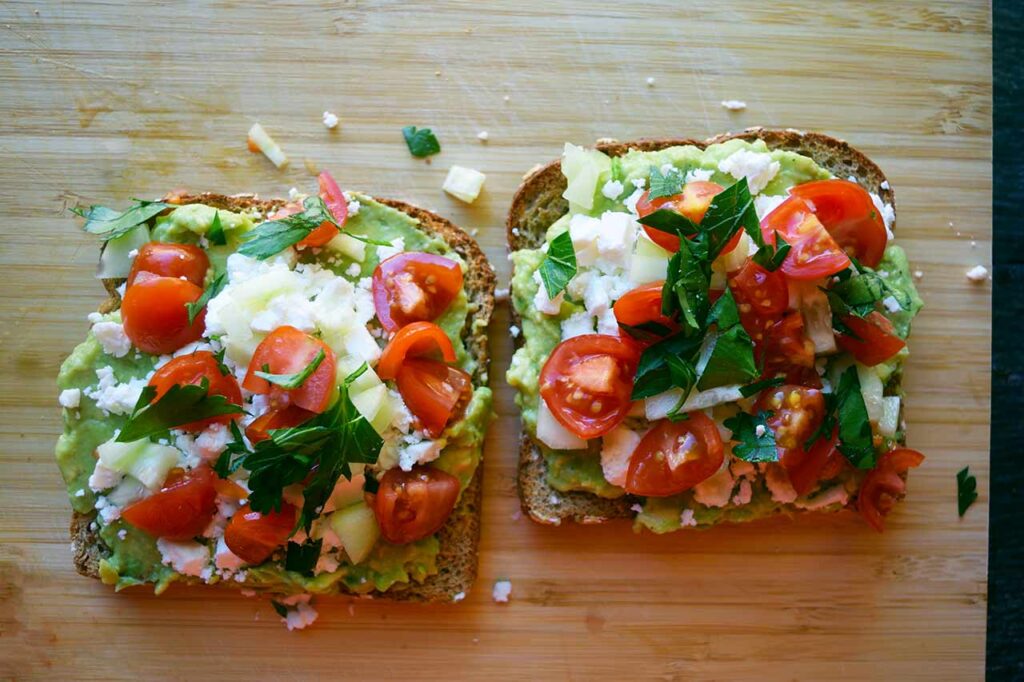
502 591
330 120
979 273
734 104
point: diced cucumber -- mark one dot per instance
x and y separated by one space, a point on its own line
890 420
871 388
357 528
582 169
347 491
127 491
144 460
553 434
649 262
115 262
349 246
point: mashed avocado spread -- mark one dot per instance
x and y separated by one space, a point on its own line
102 382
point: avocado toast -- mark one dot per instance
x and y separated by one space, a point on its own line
682 420
341 450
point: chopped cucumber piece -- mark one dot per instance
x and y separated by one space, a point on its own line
357 528
889 422
115 261
871 388
144 460
582 169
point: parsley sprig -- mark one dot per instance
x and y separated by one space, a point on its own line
559 265
181 404
665 184
755 440
216 286
421 141
110 224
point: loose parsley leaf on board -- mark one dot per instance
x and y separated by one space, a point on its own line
109 224
274 236
755 440
664 185
194 308
966 490
292 381
215 235
559 265
421 141
183 403
302 558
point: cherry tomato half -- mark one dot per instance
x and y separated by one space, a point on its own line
282 418
877 340
411 505
814 252
434 392
797 413
171 260
693 202
848 213
253 536
765 293
587 382
334 198
785 346
411 287
155 317
642 305
806 468
191 370
287 350
675 456
884 485
417 339
181 510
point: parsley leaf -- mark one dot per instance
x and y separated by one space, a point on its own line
183 403
683 375
755 440
291 381
666 220
421 141
648 331
758 386
302 558
728 359
194 308
215 235
667 185
109 224
280 608
227 463
855 438
771 257
731 210
653 374
686 287
966 490
559 265
274 236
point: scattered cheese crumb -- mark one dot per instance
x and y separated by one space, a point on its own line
483 136
884 184
979 273
974 244
918 274
459 597
70 397
554 499
501 295
734 104
506 98
612 189
502 590
514 331
330 120
687 518
294 194
122 534
650 81
637 508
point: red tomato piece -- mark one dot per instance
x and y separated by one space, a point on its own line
283 418
191 370
411 505
434 392
884 485
171 260
334 198
253 536
693 203
806 468
797 412
765 293
848 213
412 287
414 340
675 456
877 340
287 350
155 317
182 509
587 382
643 305
814 252
784 346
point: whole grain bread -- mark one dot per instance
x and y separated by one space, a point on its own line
538 203
460 536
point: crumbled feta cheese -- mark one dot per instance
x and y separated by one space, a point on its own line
294 194
112 337
617 448
302 616
418 453
502 590
353 207
514 331
577 324
501 295
122 534
225 559
187 557
686 519
636 508
650 81
758 168
716 490
698 175
734 104
606 242
113 397
887 212
464 183
353 270
885 184
891 304
766 203
212 441
70 398
108 511
103 477
554 499
612 189
330 120
979 273
458 596
80 492
397 247
483 136
548 306
121 289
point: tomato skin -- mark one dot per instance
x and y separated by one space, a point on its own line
693 202
643 305
814 252
414 287
765 293
849 215
155 318
287 350
334 199
282 418
587 382
253 536
883 485
785 346
434 392
806 468
417 339
191 370
797 412
878 340
182 509
171 260
650 472
411 505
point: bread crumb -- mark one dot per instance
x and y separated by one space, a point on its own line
330 120
483 136
979 273
502 590
650 81
734 104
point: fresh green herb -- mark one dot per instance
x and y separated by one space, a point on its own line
755 440
302 558
109 224
215 235
724 312
181 404
219 357
229 460
683 376
368 240
559 265
966 490
216 286
280 608
648 331
370 483
274 236
686 287
667 185
292 381
731 210
326 445
653 375
729 359
855 439
421 141
666 220
771 258
758 386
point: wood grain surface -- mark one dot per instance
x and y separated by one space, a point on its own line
105 101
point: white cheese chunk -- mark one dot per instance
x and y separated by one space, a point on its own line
464 183
577 324
687 519
777 480
114 397
758 168
225 559
70 398
734 104
612 189
187 557
617 448
715 491
112 337
502 591
979 273
766 203
330 120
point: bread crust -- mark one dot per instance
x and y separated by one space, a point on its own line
459 538
538 202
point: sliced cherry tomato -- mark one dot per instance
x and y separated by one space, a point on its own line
171 260
693 203
182 509
229 489
884 485
414 340
815 253
587 381
675 456
785 346
643 305
283 418
806 468
797 412
434 392
412 286
287 350
334 198
191 370
848 213
253 536
877 340
765 293
411 505
155 317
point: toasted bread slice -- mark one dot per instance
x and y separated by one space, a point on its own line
538 203
459 538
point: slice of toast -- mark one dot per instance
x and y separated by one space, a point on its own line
459 538
538 203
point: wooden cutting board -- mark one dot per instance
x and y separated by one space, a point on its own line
102 102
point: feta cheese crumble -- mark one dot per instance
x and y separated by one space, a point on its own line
686 519
70 398
979 273
502 590
483 136
734 104
758 168
187 557
612 189
113 397
330 120
112 337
